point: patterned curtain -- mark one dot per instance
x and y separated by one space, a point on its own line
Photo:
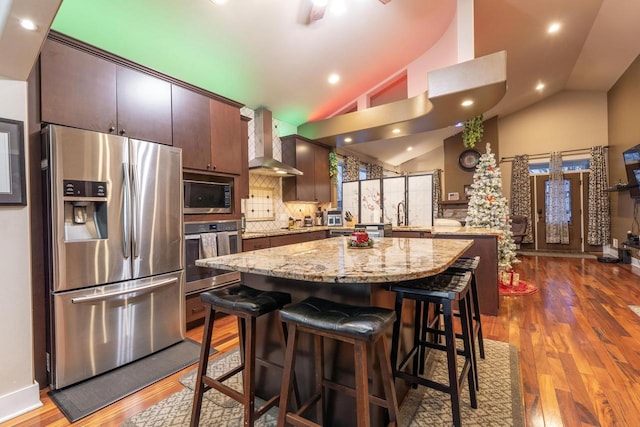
373 171
521 192
556 203
351 169
437 193
599 221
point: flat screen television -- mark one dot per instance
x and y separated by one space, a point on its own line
632 167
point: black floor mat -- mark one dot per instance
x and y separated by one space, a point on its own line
79 400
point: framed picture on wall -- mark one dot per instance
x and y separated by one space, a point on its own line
12 175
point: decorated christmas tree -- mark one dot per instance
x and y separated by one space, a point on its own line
488 207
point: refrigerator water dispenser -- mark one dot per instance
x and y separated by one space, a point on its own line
85 211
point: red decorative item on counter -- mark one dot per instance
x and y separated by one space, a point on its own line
360 239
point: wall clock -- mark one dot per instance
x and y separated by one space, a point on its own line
469 159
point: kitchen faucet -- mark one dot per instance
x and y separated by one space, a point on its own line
401 217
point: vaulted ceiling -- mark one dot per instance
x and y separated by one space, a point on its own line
266 53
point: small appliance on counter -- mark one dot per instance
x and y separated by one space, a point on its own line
308 222
377 229
319 219
334 218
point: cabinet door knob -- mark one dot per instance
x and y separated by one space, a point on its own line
208 167
112 129
123 131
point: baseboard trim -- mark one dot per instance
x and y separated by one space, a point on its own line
19 402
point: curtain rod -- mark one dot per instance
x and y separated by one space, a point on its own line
545 155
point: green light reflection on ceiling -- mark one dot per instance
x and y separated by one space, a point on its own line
165 37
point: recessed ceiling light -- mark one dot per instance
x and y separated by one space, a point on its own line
409 148
396 130
320 3
553 28
333 78
467 103
338 7
539 86
348 139
28 24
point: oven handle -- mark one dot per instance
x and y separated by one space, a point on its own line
147 288
197 236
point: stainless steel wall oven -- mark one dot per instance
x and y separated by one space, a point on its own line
205 240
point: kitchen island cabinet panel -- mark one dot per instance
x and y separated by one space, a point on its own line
144 106
226 154
77 89
191 128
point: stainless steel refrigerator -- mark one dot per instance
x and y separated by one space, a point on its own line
115 250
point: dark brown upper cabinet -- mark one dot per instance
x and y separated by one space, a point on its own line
191 128
83 90
77 89
226 154
144 106
242 181
313 160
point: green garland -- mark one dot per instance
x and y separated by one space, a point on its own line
472 132
333 166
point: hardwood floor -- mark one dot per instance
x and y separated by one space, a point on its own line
579 349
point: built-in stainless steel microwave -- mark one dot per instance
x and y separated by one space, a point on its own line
201 197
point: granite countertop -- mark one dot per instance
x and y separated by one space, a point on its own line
435 230
332 261
466 231
285 231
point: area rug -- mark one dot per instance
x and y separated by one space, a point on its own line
79 400
500 401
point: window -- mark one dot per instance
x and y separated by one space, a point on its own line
571 165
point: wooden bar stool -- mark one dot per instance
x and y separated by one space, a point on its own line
461 265
444 290
352 324
247 304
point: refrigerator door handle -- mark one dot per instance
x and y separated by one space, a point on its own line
134 210
126 208
145 289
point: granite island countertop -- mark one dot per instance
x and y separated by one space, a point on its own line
434 230
331 260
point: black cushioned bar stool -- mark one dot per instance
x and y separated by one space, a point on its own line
462 265
352 324
247 304
443 290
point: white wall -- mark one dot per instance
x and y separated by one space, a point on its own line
565 121
18 391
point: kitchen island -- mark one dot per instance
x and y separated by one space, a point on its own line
330 269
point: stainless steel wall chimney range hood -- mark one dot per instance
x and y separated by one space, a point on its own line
264 163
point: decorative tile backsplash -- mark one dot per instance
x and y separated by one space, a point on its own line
264 187
258 184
